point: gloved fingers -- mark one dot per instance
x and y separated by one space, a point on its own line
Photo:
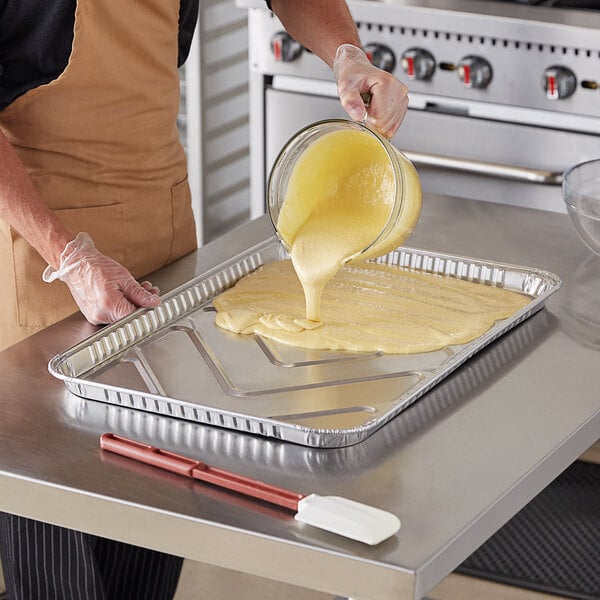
352 101
387 108
353 104
139 294
153 289
388 103
349 68
354 75
108 301
119 307
110 307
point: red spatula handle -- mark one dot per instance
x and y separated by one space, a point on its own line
198 470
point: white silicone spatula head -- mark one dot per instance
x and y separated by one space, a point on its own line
346 517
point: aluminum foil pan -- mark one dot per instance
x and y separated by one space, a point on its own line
174 361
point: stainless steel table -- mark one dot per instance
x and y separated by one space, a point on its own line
454 467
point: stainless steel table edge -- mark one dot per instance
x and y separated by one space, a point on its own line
299 564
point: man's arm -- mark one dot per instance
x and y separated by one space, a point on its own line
22 206
103 289
326 28
322 26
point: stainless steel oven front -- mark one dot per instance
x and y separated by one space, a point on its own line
503 97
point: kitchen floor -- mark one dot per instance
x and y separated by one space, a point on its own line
201 582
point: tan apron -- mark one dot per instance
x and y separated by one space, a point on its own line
101 144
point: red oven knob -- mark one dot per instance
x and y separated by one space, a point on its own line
284 47
381 56
559 82
418 63
475 72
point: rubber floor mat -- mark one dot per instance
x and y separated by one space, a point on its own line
553 544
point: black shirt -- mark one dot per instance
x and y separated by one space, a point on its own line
36 38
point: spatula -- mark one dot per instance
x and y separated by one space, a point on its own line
345 517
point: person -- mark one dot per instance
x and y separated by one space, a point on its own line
94 195
88 143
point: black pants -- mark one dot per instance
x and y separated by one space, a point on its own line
46 562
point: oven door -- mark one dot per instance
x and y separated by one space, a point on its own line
455 154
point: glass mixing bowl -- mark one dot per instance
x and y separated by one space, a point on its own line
406 205
581 193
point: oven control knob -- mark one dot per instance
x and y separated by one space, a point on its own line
475 72
284 47
559 82
381 56
418 64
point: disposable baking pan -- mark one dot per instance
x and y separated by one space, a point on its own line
174 361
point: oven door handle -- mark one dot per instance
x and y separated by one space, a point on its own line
478 167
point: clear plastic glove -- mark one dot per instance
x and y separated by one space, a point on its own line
104 290
354 75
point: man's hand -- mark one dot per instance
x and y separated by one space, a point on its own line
355 75
104 290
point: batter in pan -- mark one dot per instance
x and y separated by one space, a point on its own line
320 300
365 307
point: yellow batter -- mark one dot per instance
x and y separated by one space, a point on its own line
365 307
340 196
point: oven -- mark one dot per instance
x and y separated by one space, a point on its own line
504 95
